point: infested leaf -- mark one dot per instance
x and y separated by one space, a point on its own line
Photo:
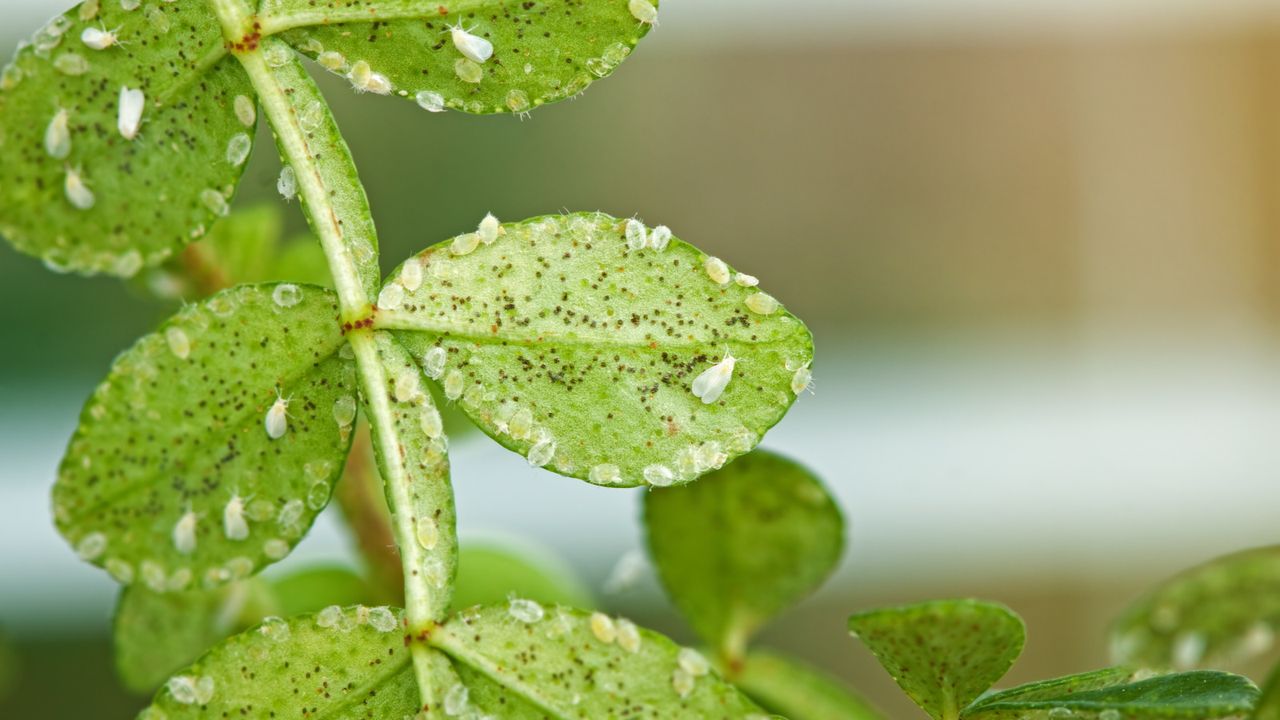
1221 612
156 634
1111 694
78 191
554 660
339 664
569 348
742 544
490 572
797 691
172 478
945 653
542 51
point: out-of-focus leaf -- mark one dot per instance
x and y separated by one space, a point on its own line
1221 612
542 51
489 573
339 664
1199 695
943 654
142 198
742 544
554 659
578 353
172 478
1268 706
155 634
797 691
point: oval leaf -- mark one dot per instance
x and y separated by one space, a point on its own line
542 51
156 634
943 654
340 664
742 544
580 354
555 660
491 573
1221 612
139 198
1200 695
798 692
172 478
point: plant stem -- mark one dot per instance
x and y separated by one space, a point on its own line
312 186
338 211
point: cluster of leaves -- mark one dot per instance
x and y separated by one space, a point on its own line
945 655
214 442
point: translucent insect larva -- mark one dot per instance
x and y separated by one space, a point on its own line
489 229
644 11
717 270
710 385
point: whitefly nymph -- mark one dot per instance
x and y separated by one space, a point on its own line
710 385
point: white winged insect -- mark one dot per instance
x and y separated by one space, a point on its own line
710 385
472 47
277 419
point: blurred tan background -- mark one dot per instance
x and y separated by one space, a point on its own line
1039 247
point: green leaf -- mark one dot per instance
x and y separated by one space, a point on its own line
314 588
743 544
1108 695
340 664
172 453
943 654
553 659
155 634
151 194
797 691
1221 612
489 573
564 346
543 51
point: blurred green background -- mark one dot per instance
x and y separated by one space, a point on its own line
1038 244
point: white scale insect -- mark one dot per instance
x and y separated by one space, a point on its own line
129 111
277 420
710 385
233 522
472 47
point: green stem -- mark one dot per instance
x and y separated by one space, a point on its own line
338 212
